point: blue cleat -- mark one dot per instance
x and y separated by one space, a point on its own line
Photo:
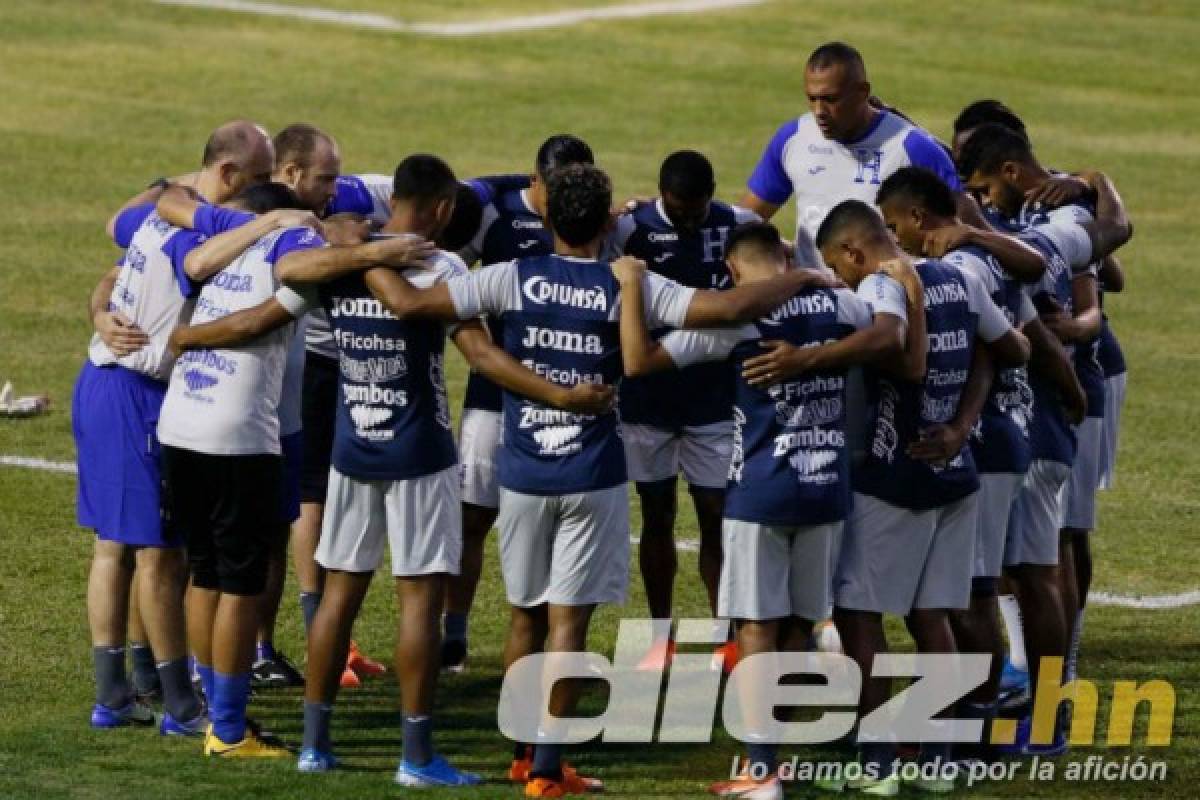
169 726
132 713
1013 680
437 772
313 760
1021 745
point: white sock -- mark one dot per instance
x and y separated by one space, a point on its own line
1011 612
1072 668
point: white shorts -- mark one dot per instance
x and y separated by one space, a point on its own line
894 560
997 495
1114 401
419 519
701 452
1037 515
1085 475
569 550
775 571
478 444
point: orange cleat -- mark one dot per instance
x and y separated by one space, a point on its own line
518 771
658 657
349 679
572 783
365 667
726 656
746 787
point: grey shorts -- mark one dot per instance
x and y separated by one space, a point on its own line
701 452
1037 515
478 441
569 550
419 519
773 571
1085 475
894 560
1114 401
997 495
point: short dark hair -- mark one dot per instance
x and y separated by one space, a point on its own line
989 147
230 140
833 53
761 238
920 187
688 175
561 150
578 201
981 112
266 197
464 222
424 178
850 214
296 143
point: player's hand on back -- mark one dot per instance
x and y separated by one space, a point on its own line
780 361
902 271
589 398
821 278
942 240
401 252
938 444
119 333
628 269
1057 191
296 218
346 230
175 342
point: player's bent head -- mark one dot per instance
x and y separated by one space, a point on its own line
307 159
264 197
993 163
838 54
914 200
561 150
464 222
298 144
578 200
835 81
851 238
980 113
686 183
755 246
239 154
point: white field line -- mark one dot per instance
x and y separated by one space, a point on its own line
382 22
1153 602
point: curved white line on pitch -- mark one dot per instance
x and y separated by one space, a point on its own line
382 22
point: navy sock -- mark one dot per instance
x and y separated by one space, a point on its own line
308 607
418 740
521 751
112 688
264 651
879 755
761 754
454 626
227 708
547 762
145 676
179 699
317 717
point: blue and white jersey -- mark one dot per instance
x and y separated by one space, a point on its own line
151 289
791 462
957 310
225 401
822 172
510 229
701 394
1000 440
393 415
1067 248
560 318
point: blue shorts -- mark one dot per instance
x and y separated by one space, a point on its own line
114 416
292 446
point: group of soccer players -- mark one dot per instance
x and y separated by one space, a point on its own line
906 410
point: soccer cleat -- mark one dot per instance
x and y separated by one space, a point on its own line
349 679
169 726
1013 680
275 673
454 655
571 783
938 785
658 657
725 657
132 713
877 787
364 667
544 787
746 787
438 772
313 760
518 771
250 746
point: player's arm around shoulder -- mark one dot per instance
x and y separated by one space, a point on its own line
640 354
308 260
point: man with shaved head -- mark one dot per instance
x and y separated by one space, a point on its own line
841 150
115 412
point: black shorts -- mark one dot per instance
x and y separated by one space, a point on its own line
319 408
226 510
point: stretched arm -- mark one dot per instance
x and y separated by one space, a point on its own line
941 443
1050 360
1023 262
473 342
177 205
322 264
1112 276
232 330
640 354
1084 325
711 308
1112 227
116 330
405 300
1010 350
221 250
880 343
148 195
764 208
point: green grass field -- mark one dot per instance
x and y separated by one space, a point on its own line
101 97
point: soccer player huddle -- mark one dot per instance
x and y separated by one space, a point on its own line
907 409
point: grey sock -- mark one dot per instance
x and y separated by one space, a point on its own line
112 689
418 740
145 678
308 607
316 727
179 698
